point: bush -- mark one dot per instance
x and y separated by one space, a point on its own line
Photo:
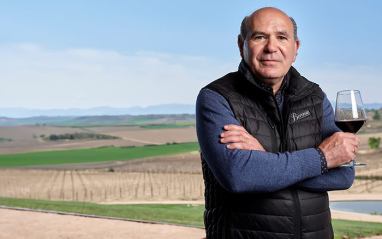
5 140
376 115
79 136
374 142
53 137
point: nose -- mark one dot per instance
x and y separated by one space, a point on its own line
271 45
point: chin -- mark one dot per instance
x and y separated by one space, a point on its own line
271 72
271 77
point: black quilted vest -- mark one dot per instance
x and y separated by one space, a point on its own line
291 212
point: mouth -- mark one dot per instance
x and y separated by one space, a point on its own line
269 62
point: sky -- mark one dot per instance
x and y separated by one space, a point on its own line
89 53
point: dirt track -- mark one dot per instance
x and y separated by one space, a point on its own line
16 224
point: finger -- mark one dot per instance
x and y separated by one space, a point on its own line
356 142
353 157
233 139
351 150
349 135
235 146
234 127
346 136
233 133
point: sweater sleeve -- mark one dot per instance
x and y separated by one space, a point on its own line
247 171
337 178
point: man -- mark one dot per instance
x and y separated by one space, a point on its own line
270 148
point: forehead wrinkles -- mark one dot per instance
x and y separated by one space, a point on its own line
270 24
274 26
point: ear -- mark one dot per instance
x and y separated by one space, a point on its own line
296 45
240 43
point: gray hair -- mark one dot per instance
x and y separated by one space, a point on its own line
244 26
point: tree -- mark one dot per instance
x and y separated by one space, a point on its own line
53 137
376 115
374 142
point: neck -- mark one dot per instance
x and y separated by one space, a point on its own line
276 87
274 83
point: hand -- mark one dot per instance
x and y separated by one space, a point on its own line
239 138
340 148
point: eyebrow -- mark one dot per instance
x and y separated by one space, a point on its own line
285 33
256 33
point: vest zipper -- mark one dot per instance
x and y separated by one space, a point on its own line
286 147
286 120
282 127
273 135
298 213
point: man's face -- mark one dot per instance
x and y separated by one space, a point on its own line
269 48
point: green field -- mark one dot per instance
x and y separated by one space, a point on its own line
184 214
94 154
173 213
355 229
5 140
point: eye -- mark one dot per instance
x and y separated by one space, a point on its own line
259 38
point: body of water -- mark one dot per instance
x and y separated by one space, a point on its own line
366 207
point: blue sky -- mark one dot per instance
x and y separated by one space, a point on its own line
83 54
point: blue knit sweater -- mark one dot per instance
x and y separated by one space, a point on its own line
252 171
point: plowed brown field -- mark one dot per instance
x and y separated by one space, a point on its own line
27 138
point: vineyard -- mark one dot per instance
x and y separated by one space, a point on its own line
165 178
176 177
101 187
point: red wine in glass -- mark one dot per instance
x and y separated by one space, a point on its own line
351 126
350 114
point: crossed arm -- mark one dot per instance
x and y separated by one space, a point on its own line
339 149
241 165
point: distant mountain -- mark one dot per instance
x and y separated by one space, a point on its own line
137 110
99 111
371 106
111 120
368 106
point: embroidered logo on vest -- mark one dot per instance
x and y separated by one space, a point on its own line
299 116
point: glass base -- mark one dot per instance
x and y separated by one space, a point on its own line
351 164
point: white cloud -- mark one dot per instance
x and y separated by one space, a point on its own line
34 77
334 77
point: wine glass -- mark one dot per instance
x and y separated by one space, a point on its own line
350 114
